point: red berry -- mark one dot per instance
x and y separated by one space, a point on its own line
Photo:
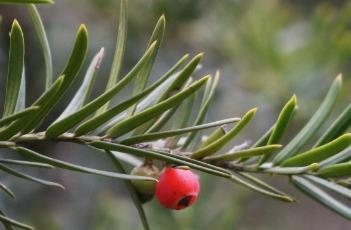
177 188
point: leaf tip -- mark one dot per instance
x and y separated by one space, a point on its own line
83 29
163 20
252 111
199 56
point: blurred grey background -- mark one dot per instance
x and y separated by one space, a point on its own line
266 51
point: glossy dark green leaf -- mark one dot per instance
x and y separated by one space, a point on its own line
322 197
160 135
313 124
144 74
15 68
132 122
207 98
8 191
119 51
337 158
98 120
181 119
132 192
22 123
218 144
281 124
69 166
169 158
44 43
268 149
144 103
160 122
336 170
177 84
28 177
24 113
21 100
282 121
70 72
65 124
84 90
163 119
263 140
339 126
215 135
320 153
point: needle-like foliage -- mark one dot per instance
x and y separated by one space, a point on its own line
129 131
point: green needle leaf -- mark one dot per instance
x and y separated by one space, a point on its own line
178 83
263 140
330 185
100 119
160 135
181 119
337 158
292 170
160 122
261 183
336 170
71 70
313 125
26 1
22 123
215 135
21 100
169 158
322 197
61 126
6 225
244 153
132 192
339 126
40 30
119 51
84 90
237 179
15 68
25 163
24 113
5 219
28 177
281 124
207 98
143 76
7 191
218 144
320 153
69 166
132 122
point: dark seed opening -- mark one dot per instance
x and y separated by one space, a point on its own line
185 201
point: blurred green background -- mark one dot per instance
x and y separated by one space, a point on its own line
266 51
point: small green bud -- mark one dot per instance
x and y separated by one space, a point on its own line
146 189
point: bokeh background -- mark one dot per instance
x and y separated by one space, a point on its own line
266 51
